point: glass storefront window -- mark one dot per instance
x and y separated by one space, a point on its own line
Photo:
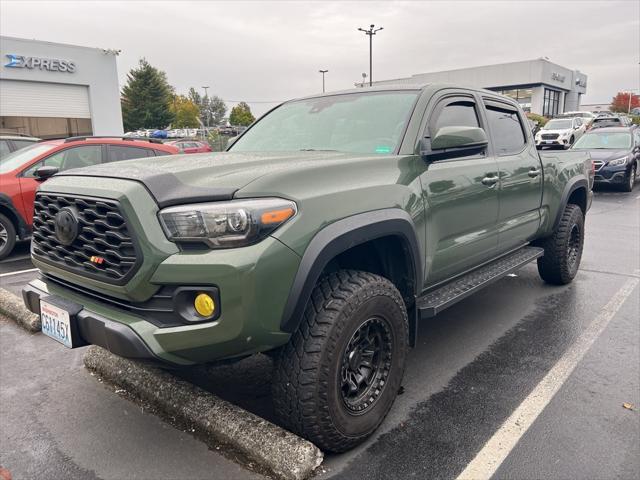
551 105
520 95
47 127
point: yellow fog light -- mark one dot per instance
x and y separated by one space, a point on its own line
204 305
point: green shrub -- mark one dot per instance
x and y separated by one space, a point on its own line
538 118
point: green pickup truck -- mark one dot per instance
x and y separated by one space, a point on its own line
321 237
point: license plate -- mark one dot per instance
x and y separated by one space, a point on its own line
56 323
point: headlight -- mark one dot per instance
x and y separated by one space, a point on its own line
618 161
226 224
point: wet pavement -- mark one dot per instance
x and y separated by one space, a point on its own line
473 366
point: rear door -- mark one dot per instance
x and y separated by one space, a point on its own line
116 153
520 167
461 195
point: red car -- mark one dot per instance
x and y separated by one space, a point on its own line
23 170
190 146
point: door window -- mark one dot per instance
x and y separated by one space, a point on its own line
75 157
457 114
115 153
507 130
4 148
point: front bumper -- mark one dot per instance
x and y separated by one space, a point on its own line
254 283
96 329
553 143
611 176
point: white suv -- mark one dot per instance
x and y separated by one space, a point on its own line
560 132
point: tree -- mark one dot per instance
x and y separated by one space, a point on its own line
212 109
146 98
241 115
186 113
620 103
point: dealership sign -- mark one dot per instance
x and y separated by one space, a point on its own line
49 64
558 77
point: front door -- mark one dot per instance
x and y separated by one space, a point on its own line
74 157
461 195
520 187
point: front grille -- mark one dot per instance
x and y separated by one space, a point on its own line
597 164
549 136
103 248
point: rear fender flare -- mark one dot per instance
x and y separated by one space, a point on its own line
571 186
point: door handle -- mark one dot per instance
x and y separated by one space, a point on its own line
490 181
534 172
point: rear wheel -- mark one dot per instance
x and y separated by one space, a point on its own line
630 180
337 378
563 249
7 236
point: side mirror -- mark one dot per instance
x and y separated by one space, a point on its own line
454 141
45 172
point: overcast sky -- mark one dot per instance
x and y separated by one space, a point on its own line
266 51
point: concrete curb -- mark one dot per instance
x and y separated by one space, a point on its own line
215 420
12 307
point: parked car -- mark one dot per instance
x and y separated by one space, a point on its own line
615 152
321 236
23 171
10 143
608 121
587 117
190 146
560 132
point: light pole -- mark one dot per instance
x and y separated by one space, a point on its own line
630 97
206 118
323 72
371 32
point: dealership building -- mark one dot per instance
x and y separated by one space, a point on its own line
53 90
540 86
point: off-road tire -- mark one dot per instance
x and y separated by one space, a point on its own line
563 249
629 180
308 376
8 240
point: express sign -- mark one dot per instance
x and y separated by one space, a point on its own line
49 64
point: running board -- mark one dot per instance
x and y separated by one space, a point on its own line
432 303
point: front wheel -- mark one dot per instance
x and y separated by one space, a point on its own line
7 236
630 180
338 376
563 249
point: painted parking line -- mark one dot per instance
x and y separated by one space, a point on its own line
496 450
18 272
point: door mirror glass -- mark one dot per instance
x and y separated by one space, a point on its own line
458 137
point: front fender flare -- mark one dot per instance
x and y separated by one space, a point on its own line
338 237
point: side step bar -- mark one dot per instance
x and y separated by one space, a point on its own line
432 303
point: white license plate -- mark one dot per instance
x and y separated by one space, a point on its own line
56 323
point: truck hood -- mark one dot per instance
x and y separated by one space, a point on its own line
178 179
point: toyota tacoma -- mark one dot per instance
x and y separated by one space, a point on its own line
322 236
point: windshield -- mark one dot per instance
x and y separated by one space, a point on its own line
24 155
592 141
557 125
371 122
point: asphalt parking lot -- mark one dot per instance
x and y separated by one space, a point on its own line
507 349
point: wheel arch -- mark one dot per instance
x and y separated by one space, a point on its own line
576 192
8 210
371 237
